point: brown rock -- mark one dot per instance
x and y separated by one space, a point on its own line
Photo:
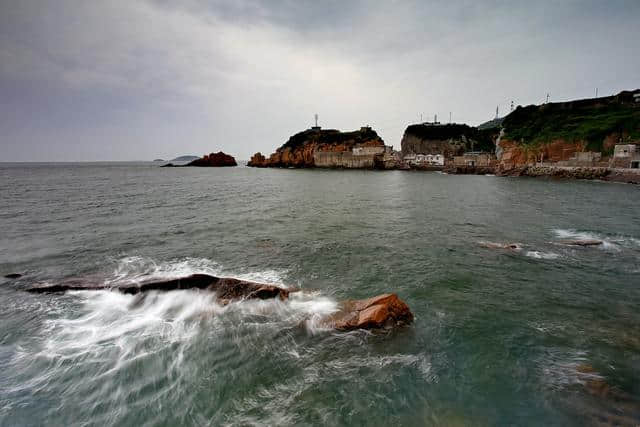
382 311
257 161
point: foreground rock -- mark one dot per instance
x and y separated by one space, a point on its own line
383 311
226 289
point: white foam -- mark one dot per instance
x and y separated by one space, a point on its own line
608 243
542 255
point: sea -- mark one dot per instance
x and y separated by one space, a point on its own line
545 334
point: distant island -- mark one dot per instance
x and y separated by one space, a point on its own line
159 160
184 159
218 159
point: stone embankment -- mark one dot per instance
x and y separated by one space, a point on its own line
631 176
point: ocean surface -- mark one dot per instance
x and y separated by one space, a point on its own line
545 335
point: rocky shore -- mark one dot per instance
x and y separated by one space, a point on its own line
631 176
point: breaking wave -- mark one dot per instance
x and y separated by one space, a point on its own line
542 255
609 243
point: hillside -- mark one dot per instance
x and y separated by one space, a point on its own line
588 121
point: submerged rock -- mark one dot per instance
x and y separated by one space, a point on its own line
493 245
382 311
13 276
585 242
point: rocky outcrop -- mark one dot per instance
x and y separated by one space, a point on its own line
218 159
383 311
324 148
449 139
257 161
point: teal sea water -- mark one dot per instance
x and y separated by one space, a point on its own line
545 335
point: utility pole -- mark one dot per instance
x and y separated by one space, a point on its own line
421 118
449 116
596 92
316 116
547 98
435 119
497 111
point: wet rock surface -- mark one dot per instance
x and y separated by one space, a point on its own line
226 289
382 311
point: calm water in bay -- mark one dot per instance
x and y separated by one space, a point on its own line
549 335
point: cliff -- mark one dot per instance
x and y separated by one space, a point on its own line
555 132
449 140
325 148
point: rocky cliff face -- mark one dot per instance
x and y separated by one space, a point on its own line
449 139
299 150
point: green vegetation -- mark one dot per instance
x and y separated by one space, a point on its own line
331 136
589 120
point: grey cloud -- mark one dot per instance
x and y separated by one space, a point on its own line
135 80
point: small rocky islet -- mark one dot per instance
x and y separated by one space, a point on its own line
218 159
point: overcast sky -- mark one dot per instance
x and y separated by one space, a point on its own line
137 80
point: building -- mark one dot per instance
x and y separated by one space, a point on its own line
625 156
474 159
424 159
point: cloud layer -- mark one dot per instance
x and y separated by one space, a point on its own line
140 80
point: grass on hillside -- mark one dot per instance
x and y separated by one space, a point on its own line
534 125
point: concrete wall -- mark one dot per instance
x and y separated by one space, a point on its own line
342 159
362 151
477 160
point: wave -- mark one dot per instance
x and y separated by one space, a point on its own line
542 255
609 243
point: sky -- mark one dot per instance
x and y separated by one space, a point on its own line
139 80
